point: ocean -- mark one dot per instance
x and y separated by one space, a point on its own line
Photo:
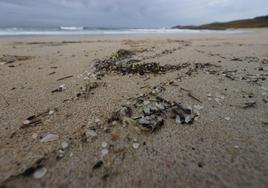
29 31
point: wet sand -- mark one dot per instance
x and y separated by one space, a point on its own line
55 79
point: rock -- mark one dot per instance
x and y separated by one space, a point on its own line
35 135
50 138
51 112
27 122
178 119
60 154
64 145
40 172
97 120
90 133
188 119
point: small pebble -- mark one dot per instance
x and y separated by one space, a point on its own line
104 152
264 88
27 122
97 120
91 133
64 145
114 123
136 145
60 154
35 135
51 112
63 87
39 173
104 144
227 118
146 102
50 138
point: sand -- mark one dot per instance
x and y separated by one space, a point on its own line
226 146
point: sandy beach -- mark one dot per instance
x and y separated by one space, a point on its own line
134 110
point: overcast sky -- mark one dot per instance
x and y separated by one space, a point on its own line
125 13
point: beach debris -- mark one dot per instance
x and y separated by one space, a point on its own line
64 78
98 165
151 112
231 74
122 54
60 89
121 115
236 59
7 59
250 104
191 95
236 75
157 90
40 173
183 115
150 123
49 138
264 61
207 68
121 64
87 89
31 120
125 112
51 73
36 119
265 122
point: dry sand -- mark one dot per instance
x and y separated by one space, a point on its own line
226 146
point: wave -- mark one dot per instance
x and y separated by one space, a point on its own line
72 28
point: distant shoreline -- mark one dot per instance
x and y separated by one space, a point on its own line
258 22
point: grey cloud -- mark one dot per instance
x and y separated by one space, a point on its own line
128 13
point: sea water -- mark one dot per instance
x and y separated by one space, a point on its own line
24 31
